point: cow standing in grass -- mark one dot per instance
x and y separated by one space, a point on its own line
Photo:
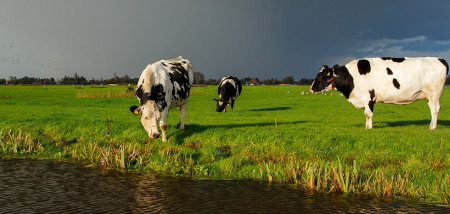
368 81
229 90
163 85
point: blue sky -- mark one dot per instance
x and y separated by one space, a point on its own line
243 38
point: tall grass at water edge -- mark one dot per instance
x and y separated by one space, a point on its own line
310 141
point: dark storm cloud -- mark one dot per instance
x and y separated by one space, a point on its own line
243 38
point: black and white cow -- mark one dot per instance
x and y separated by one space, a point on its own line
365 82
164 84
229 90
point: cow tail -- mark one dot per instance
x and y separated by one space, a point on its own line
445 63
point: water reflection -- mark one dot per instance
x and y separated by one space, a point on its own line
44 186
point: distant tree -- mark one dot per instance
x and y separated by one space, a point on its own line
447 82
13 80
288 80
125 79
211 82
81 80
199 78
246 79
75 78
305 81
270 81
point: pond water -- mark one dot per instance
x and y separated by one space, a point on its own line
46 186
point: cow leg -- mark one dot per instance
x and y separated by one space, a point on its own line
162 123
232 105
368 109
434 108
369 115
182 115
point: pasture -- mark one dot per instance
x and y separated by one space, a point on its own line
308 141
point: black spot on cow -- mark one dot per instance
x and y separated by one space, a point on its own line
156 94
389 71
393 59
179 76
445 63
343 80
140 92
363 66
372 99
396 83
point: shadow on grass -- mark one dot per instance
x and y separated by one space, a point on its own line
179 136
413 122
271 109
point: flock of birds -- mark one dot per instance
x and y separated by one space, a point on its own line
19 60
14 60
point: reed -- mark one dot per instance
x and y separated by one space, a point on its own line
335 176
102 94
14 142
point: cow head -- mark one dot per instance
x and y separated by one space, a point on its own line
150 114
221 104
323 81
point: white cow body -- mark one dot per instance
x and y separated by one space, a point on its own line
387 80
163 85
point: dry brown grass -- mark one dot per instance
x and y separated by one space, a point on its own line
84 94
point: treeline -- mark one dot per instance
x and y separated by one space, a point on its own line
199 79
75 80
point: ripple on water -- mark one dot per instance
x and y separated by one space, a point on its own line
46 186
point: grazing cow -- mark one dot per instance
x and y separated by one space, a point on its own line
164 84
368 81
229 90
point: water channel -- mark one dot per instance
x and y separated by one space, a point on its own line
46 186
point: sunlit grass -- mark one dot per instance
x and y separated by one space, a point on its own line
311 141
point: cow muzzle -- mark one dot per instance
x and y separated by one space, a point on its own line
154 135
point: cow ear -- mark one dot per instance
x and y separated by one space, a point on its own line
216 100
135 110
325 67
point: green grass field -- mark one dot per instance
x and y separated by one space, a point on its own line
308 141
